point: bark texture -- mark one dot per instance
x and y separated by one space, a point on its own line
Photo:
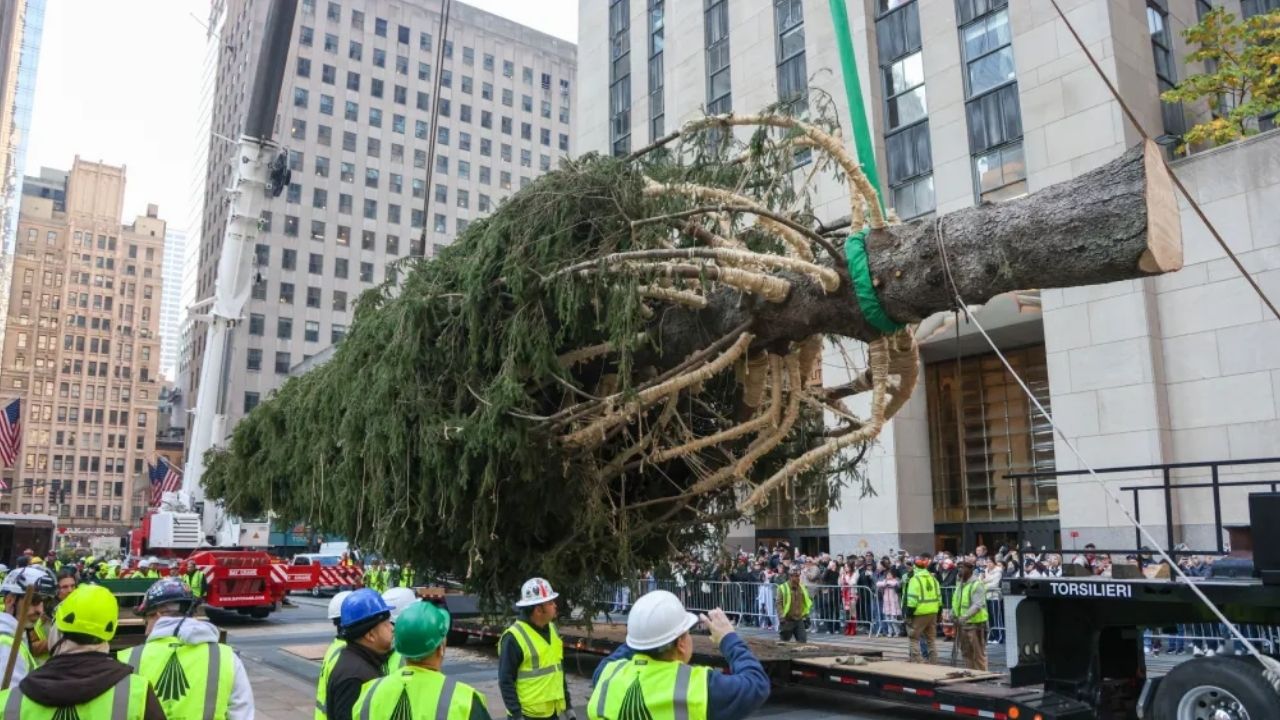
1089 230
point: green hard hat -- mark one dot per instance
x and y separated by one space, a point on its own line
420 629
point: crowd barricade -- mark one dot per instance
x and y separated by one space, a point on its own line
860 610
836 610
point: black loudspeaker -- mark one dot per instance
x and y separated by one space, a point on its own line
1264 517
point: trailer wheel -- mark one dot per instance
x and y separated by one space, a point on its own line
1215 688
456 638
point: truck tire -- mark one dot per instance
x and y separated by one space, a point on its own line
259 613
1215 688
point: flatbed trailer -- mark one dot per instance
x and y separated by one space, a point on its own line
1074 649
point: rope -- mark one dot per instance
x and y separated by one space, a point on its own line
1181 188
1270 666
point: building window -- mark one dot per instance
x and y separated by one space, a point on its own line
981 429
251 400
284 328
283 363
907 145
995 120
619 76
253 360
1166 72
793 75
716 24
311 331
257 324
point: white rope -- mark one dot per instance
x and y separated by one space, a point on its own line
1270 665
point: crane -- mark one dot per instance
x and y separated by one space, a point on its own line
261 172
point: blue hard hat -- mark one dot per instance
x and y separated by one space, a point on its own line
362 610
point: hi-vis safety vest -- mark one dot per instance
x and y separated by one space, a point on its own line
656 689
195 581
191 681
126 701
415 692
785 589
924 595
24 652
42 634
960 604
540 678
326 667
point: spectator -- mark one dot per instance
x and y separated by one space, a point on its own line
1089 560
831 597
887 581
848 596
868 602
993 575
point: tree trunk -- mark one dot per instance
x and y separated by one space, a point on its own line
1118 222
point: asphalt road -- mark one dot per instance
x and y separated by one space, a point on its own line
277 673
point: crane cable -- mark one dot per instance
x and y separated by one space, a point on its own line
1271 667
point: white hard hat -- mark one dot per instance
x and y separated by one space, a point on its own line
657 618
4 568
535 592
144 563
399 598
335 604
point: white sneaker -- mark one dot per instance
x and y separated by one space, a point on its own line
1197 652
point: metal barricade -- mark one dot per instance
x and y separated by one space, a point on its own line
835 610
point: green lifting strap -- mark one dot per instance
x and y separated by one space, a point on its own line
853 93
855 250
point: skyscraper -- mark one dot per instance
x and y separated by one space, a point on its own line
21 30
171 310
83 353
356 117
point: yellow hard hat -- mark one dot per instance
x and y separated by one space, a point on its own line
37 560
89 610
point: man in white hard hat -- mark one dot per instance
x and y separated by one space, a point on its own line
330 655
530 660
399 598
650 675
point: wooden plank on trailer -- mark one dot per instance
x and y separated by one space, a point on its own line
921 672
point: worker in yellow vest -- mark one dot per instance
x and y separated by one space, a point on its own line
193 576
922 603
969 612
23 629
419 689
330 655
650 676
191 671
794 606
399 599
530 656
83 680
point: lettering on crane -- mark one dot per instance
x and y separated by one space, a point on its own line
243 573
1091 590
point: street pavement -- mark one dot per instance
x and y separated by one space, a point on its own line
275 653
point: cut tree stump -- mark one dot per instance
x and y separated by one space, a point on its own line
1117 222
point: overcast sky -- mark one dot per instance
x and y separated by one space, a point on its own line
120 82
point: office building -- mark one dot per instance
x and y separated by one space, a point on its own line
976 101
356 115
83 354
171 310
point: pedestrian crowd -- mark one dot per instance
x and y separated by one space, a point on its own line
872 594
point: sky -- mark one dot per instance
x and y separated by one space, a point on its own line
121 82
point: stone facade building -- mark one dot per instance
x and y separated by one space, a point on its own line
976 101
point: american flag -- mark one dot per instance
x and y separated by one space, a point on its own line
164 478
10 433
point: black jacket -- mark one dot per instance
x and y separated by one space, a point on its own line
356 666
68 680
